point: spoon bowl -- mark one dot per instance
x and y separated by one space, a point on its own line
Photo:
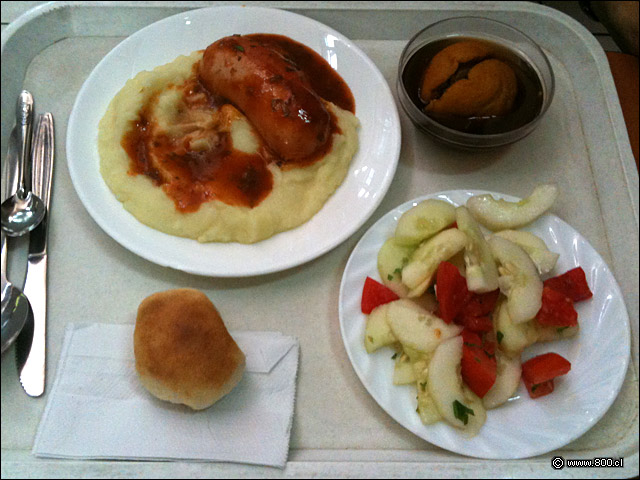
15 311
21 215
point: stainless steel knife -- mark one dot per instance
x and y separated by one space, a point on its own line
31 343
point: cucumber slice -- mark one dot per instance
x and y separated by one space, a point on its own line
427 409
508 373
423 221
542 257
453 399
481 269
377 332
392 258
518 280
403 372
512 337
548 333
418 274
417 329
502 215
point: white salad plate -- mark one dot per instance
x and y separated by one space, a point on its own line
367 181
523 427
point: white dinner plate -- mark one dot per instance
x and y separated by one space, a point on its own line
367 181
523 427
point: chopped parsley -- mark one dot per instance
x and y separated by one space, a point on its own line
561 329
395 355
239 48
499 336
462 412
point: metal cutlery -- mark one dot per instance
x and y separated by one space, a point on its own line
24 210
31 343
15 307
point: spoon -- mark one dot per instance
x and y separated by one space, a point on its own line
14 305
23 211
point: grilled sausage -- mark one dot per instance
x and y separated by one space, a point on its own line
269 88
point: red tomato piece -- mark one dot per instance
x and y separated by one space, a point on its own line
374 294
556 310
572 284
539 389
545 367
478 367
451 291
480 304
480 324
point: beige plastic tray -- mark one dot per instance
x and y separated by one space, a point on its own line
338 430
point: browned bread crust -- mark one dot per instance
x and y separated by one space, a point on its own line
183 351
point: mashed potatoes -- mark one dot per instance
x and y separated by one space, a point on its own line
296 195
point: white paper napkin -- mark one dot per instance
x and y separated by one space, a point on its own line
98 409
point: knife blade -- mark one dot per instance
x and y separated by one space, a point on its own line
32 365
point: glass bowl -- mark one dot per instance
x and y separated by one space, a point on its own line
533 71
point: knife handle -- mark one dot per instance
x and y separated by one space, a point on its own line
42 149
24 124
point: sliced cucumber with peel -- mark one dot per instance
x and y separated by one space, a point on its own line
427 409
481 269
392 258
518 280
508 373
377 332
512 337
502 215
403 371
423 221
544 259
548 333
458 405
418 274
417 328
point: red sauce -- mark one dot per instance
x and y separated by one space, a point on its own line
220 172
190 177
324 80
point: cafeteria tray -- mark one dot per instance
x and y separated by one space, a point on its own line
338 429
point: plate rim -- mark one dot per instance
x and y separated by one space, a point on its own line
585 426
392 153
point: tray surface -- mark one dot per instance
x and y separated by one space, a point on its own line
580 145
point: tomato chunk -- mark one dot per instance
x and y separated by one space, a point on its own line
556 310
478 367
451 291
539 389
374 294
572 284
480 304
476 324
542 369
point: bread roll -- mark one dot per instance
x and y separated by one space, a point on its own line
183 351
